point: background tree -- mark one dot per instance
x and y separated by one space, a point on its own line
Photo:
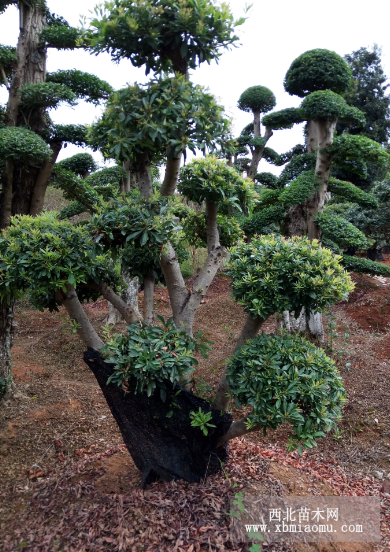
29 141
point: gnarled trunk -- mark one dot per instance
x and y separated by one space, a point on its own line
257 154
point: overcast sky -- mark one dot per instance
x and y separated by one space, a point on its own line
273 36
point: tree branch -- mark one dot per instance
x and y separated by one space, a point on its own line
257 154
237 429
126 310
250 329
211 226
38 195
171 175
76 312
144 175
6 195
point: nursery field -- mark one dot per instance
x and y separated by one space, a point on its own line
68 483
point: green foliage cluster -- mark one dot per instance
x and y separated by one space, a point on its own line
357 264
342 232
348 192
257 99
300 189
74 134
23 145
75 188
349 148
43 254
198 31
107 176
194 227
285 118
287 379
80 164
137 231
8 60
271 156
45 94
166 112
317 70
267 197
298 164
3 113
73 209
61 37
260 221
325 104
84 85
146 358
274 274
267 179
210 178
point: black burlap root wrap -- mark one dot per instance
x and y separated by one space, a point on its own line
163 447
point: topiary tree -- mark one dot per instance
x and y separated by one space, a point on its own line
144 370
30 142
257 100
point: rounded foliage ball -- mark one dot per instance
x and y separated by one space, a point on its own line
287 379
274 274
317 70
210 178
257 98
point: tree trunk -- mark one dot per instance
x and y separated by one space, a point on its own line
31 66
185 303
6 195
76 312
311 326
171 175
6 338
148 310
315 204
39 191
129 296
144 175
250 330
257 154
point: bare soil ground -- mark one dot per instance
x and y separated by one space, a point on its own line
69 484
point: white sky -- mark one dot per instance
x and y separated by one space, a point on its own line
274 35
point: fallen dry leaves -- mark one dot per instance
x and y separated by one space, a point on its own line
64 512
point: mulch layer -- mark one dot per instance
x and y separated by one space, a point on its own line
65 512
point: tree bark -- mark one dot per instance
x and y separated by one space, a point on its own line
6 338
38 195
315 204
148 309
6 195
250 329
129 296
185 303
31 66
129 313
144 174
171 175
237 429
76 312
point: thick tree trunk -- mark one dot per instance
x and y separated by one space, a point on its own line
144 175
31 66
311 326
315 205
296 221
148 310
171 176
39 191
250 330
257 154
76 312
6 338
